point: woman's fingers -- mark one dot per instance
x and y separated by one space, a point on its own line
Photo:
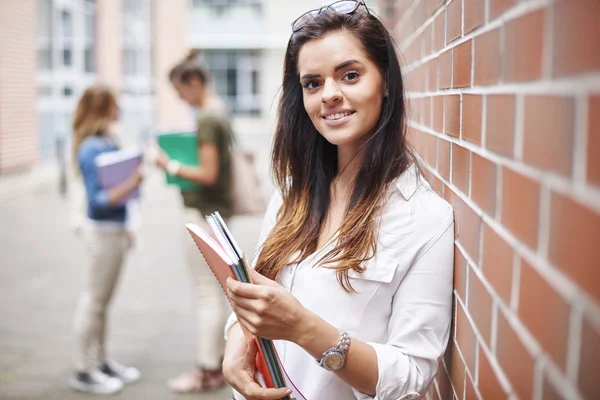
248 290
253 391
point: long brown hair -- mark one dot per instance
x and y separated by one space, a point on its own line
93 114
304 163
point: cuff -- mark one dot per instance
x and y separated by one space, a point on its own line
230 322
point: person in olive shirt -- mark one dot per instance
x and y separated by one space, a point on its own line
214 177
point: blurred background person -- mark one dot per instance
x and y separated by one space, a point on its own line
107 241
213 175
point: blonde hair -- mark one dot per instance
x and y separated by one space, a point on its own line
93 114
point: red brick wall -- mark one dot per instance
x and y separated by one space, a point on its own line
505 109
18 125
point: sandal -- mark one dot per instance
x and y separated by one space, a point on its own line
197 381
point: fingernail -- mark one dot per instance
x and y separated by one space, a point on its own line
288 391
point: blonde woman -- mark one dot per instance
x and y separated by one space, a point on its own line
106 239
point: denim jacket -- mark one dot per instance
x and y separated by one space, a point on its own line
98 208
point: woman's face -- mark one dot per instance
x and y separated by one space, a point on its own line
188 91
342 88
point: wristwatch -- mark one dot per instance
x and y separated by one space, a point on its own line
335 357
173 167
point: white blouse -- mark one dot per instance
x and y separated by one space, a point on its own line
403 301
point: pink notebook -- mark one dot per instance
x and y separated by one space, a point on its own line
222 265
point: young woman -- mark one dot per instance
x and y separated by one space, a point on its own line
213 175
106 238
354 276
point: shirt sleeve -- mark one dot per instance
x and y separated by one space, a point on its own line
419 327
96 196
209 131
268 223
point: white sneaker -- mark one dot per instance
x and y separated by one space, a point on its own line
125 374
96 382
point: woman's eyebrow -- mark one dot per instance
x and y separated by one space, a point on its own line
337 68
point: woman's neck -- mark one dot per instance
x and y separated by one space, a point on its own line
350 160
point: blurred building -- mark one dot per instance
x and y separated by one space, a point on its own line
243 43
53 49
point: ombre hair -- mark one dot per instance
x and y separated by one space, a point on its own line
304 163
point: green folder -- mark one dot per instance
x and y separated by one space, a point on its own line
182 147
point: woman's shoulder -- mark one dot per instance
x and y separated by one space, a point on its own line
414 206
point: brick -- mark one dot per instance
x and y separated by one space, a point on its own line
438 113
439 31
433 5
434 66
426 111
470 393
488 383
444 383
474 14
430 153
461 161
456 368
593 145
471 117
483 183
487 58
454 20
497 263
524 45
549 391
460 274
480 308
443 160
452 115
466 339
520 206
469 231
515 360
574 245
437 185
545 313
576 30
549 125
498 7
589 373
461 67
445 79
427 40
456 204
500 124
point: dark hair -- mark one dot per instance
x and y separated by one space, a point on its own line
304 163
188 68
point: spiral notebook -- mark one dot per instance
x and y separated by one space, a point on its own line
225 259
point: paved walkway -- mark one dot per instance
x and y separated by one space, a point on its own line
42 271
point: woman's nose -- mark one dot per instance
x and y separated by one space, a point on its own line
331 92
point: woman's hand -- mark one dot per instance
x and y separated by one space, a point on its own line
239 369
266 309
161 159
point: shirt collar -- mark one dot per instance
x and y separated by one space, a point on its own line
409 182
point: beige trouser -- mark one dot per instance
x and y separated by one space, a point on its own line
106 250
211 303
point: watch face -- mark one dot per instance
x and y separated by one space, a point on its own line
334 361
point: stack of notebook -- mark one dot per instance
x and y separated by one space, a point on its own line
115 167
225 259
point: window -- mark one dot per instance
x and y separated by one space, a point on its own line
236 78
67 32
44 34
89 56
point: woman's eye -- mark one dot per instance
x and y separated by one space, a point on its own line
310 85
352 75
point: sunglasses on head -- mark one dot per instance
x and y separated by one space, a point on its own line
342 7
